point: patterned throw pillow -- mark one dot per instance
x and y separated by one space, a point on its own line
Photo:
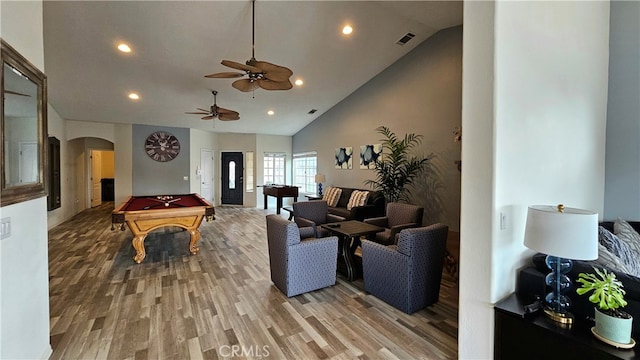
627 234
358 198
627 255
609 261
332 195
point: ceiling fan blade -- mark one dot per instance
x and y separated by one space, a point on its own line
198 113
229 117
225 75
16 93
226 111
245 85
238 66
207 117
274 72
205 110
274 85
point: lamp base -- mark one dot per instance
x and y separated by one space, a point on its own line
566 319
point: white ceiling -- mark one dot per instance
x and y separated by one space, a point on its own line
176 43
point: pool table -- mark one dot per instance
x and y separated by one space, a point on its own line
143 214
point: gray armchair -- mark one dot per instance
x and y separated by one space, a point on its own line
399 216
311 214
299 266
406 276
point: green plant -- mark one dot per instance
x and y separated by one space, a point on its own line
608 294
398 168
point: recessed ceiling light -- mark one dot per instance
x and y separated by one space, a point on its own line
299 82
270 112
347 30
134 96
124 48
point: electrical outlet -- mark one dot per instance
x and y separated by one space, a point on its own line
5 228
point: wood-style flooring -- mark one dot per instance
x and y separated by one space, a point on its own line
220 303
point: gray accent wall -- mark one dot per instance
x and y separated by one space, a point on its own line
622 169
420 93
152 177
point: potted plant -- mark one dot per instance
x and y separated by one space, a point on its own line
397 168
612 323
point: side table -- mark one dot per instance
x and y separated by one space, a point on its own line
313 197
534 336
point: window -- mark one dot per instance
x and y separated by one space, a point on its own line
304 171
232 175
274 168
249 169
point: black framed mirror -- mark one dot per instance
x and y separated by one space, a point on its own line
24 128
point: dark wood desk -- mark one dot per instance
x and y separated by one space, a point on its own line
279 191
349 233
534 336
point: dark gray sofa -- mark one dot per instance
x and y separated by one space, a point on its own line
531 283
374 207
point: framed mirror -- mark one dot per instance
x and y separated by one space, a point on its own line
24 128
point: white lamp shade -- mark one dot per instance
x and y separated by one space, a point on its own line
320 178
571 234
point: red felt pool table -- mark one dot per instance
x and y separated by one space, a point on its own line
143 214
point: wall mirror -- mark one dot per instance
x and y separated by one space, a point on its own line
24 128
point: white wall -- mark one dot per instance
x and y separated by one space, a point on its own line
550 62
24 272
123 148
200 139
57 128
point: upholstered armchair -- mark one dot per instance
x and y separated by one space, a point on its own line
408 275
312 214
399 216
299 266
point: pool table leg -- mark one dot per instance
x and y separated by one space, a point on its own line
138 244
193 245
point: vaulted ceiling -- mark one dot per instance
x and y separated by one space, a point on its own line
175 44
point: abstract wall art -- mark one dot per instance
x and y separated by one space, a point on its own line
369 154
344 158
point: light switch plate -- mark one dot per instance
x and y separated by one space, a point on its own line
5 228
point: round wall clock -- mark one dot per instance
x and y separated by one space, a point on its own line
162 146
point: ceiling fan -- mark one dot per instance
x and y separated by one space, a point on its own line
216 111
260 74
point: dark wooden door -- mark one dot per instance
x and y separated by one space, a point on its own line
232 184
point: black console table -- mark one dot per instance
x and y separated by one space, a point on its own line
534 336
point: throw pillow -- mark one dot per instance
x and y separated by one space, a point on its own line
627 255
358 198
332 195
627 234
609 261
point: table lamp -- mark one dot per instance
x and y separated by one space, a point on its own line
563 234
320 179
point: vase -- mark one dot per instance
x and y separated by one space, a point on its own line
618 330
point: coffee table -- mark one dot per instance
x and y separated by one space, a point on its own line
349 233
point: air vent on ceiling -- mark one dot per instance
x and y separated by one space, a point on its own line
312 111
405 39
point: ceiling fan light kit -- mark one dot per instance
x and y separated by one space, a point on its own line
259 74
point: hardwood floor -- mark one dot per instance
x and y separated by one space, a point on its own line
219 303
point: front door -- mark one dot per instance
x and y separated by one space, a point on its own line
232 186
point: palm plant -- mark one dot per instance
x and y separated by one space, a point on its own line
397 169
